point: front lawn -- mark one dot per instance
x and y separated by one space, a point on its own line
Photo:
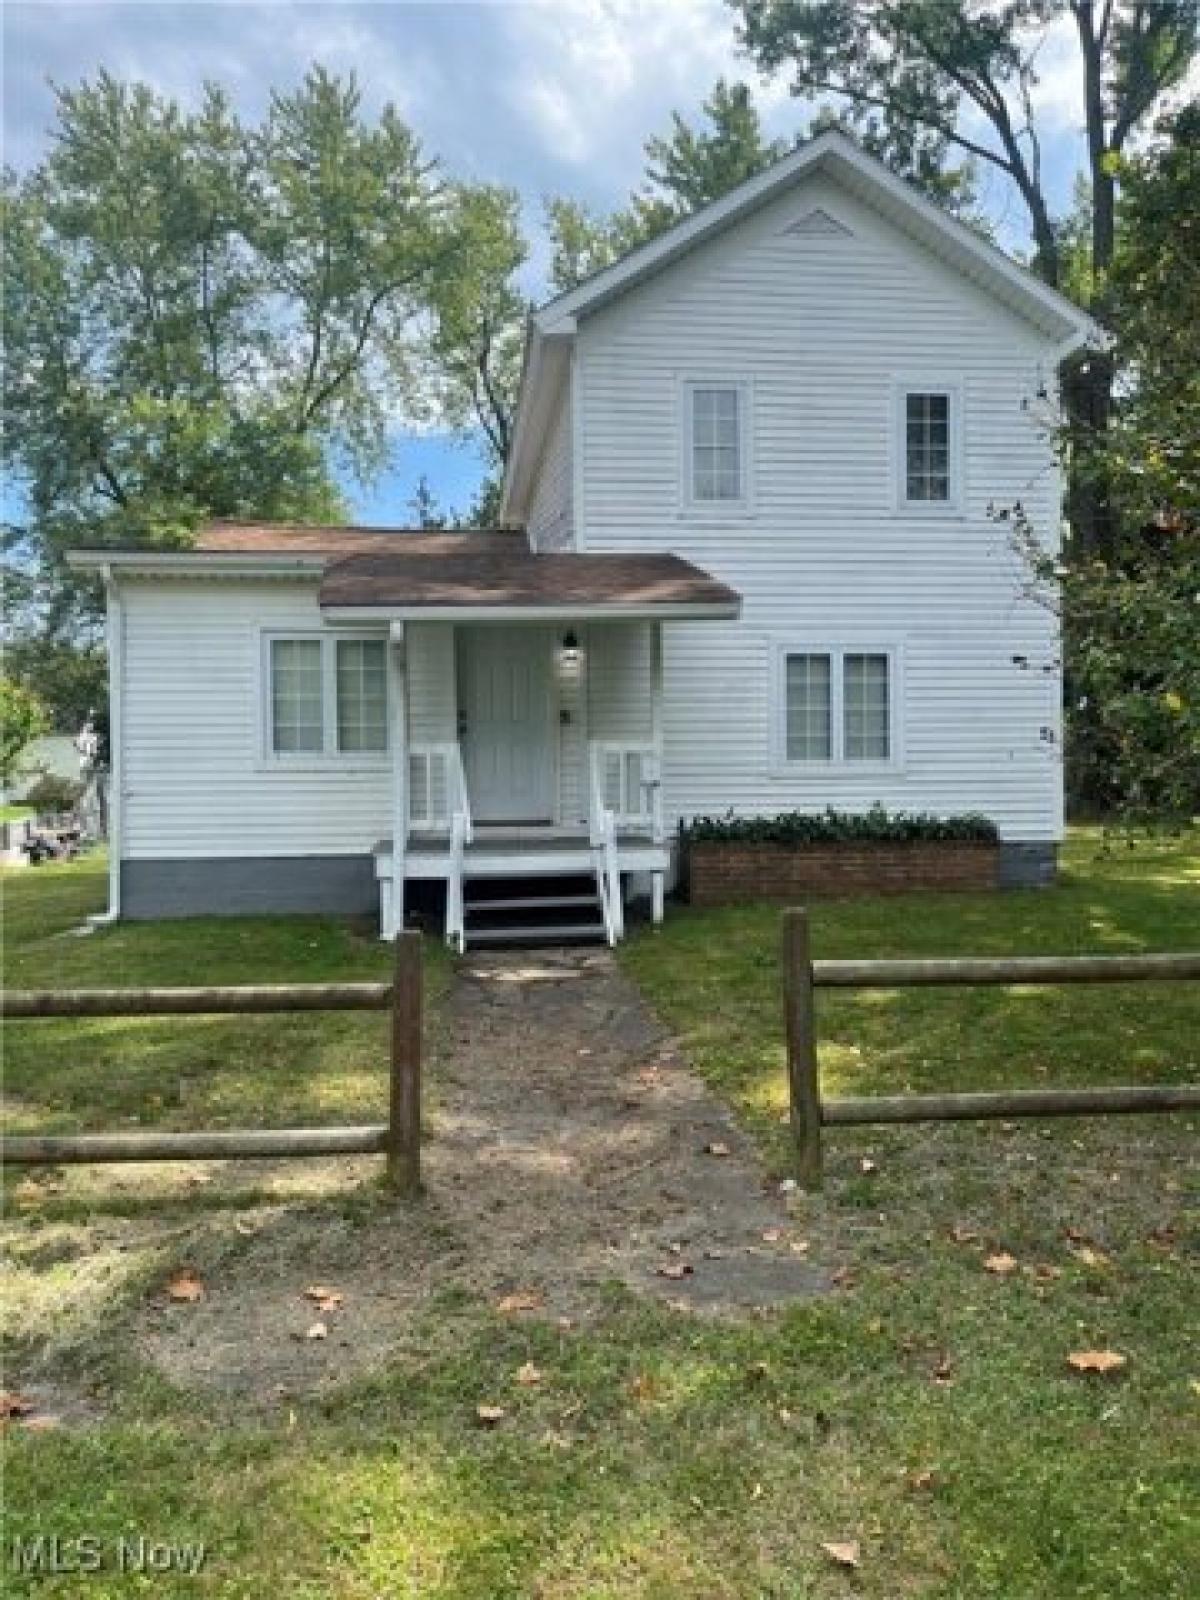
924 1410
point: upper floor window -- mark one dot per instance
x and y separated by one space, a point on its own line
929 428
716 454
326 696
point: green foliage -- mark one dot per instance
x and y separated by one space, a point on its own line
70 680
23 718
1151 452
201 313
685 169
52 795
919 79
838 827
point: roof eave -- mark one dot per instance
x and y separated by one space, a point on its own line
580 611
208 563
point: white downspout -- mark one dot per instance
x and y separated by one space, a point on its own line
116 731
399 677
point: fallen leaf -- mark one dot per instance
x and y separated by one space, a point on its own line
772 1235
13 1404
642 1386
245 1227
799 1247
325 1299
846 1553
867 1165
944 1371
922 1480
1001 1263
1089 1257
675 1269
528 1375
715 1147
1096 1360
520 1300
963 1235
489 1416
788 1186
42 1424
844 1278
1045 1273
317 1331
1076 1235
186 1288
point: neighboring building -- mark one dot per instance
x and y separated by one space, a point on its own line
754 462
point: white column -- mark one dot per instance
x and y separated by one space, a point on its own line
398 683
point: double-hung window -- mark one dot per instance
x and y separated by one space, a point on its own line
716 457
929 428
838 706
326 696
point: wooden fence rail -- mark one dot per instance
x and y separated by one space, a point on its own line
399 1138
802 976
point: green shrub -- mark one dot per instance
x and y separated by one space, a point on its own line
51 795
838 827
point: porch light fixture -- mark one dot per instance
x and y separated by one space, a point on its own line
570 647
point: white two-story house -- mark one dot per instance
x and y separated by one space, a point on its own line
747 565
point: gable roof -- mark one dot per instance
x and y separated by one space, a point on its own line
552 327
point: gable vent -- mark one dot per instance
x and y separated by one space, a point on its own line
818 224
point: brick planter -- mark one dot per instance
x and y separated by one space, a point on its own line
722 873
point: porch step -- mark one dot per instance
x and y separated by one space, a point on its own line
529 910
540 902
526 933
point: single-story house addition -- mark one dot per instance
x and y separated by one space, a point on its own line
747 565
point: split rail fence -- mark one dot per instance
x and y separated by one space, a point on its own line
399 1139
811 1113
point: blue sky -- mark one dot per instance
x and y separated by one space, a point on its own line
548 96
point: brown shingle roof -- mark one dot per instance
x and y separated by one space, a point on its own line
441 573
279 538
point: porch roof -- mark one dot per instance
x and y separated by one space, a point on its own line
465 577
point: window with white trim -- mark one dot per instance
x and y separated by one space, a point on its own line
716 456
928 467
837 706
326 696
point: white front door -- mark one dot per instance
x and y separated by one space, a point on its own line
505 722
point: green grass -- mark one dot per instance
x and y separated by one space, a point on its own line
665 1456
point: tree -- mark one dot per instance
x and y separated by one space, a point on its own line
1131 615
200 314
927 77
685 169
23 718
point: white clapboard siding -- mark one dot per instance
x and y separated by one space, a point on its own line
197 781
550 520
821 328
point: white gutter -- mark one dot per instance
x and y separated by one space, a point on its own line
116 685
214 563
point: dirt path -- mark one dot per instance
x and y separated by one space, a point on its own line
569 1147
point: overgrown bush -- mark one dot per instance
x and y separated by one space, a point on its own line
51 795
839 827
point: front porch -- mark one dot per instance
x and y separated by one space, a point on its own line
525 706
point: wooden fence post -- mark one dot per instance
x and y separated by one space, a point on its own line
799 1011
404 1114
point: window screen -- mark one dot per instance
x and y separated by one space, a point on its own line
297 722
361 695
927 446
808 690
865 707
716 443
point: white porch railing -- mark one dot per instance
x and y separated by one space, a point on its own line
603 838
626 779
437 788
